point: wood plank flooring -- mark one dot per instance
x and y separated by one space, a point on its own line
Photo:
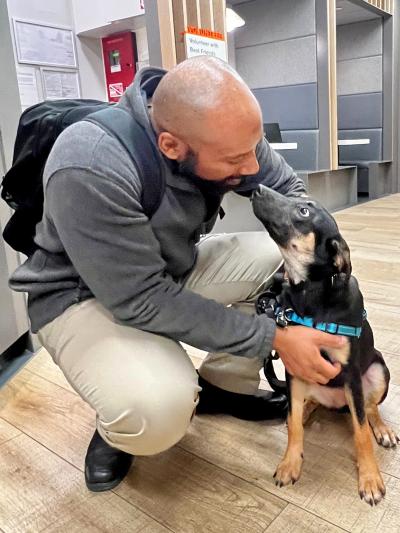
219 477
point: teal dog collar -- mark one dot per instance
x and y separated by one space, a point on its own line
284 317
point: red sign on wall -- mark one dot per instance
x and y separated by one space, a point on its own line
119 54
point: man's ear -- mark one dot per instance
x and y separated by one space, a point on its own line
171 146
341 256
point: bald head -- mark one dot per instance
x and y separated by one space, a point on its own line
208 121
199 94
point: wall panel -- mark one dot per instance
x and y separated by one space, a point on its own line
362 39
295 107
288 62
360 111
362 75
275 20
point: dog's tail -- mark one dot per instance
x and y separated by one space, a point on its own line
277 385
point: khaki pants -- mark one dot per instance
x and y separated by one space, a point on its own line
143 386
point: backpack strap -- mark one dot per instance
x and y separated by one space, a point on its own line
141 149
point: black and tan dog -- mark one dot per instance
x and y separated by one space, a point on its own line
321 292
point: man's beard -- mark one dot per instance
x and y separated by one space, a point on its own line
187 167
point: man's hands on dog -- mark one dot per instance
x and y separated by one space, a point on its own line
299 348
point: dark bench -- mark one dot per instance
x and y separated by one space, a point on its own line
373 177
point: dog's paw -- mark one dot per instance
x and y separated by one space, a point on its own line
371 487
288 470
385 436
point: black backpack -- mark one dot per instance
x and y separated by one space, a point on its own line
39 127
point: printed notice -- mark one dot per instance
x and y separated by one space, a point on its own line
58 84
44 45
197 45
27 86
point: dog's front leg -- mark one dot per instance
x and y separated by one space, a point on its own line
370 484
289 468
309 408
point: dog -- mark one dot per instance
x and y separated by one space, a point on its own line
319 291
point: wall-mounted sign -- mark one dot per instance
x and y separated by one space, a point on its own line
40 44
116 90
203 42
60 84
27 85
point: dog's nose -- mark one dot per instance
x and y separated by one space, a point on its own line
257 192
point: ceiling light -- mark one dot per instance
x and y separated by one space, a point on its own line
233 20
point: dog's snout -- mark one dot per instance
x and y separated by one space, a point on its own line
257 193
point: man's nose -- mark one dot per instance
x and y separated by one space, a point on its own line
250 166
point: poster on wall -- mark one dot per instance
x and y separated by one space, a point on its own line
60 84
39 44
27 86
200 42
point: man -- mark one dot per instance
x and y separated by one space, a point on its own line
111 293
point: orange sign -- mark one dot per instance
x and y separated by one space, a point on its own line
202 32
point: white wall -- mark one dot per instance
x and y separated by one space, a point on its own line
54 12
57 12
94 18
89 53
87 14
82 15
90 14
13 316
142 47
91 68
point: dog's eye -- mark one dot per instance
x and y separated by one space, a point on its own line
304 212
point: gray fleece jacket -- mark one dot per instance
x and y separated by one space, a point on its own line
95 241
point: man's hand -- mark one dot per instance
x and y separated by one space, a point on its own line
299 348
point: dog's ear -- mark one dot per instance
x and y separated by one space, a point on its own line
341 255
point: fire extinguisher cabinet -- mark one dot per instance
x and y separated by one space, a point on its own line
120 56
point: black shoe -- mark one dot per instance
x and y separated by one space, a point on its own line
265 405
105 467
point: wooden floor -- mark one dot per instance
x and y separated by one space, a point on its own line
219 477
